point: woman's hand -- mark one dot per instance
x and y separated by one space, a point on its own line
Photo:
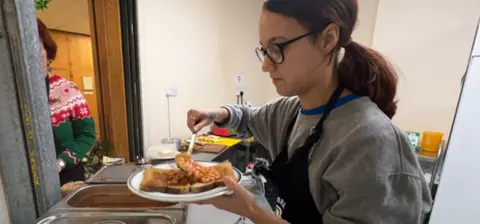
241 202
198 119
60 165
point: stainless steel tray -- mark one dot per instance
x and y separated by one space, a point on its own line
109 218
114 174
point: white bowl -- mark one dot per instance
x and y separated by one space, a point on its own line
162 151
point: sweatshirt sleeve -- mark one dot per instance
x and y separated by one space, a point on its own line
259 122
390 199
386 190
83 131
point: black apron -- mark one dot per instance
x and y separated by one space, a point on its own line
73 174
290 177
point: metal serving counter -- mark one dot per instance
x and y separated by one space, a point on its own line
102 203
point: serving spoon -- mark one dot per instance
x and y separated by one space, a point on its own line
184 161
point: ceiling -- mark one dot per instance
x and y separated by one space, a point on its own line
67 15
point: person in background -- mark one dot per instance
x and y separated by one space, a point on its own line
338 158
72 124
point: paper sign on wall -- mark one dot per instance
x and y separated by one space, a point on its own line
87 83
239 82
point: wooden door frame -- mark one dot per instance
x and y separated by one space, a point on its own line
108 64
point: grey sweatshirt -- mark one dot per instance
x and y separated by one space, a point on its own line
363 171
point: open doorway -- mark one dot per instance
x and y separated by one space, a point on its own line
27 127
95 51
69 25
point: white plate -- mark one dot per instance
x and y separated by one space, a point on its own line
135 179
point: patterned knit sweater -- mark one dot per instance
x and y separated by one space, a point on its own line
73 125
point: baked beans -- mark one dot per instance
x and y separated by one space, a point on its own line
197 172
205 174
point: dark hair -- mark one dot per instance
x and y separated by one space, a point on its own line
47 40
362 70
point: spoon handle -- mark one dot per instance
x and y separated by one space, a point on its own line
192 143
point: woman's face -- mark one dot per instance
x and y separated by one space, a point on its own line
305 61
44 59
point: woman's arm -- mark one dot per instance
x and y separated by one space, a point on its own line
246 120
221 116
260 216
83 128
243 203
259 122
84 131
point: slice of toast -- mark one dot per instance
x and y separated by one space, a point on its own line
225 169
202 187
159 180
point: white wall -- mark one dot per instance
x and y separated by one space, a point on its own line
4 219
193 46
199 47
367 16
429 41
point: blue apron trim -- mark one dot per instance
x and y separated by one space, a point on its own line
319 110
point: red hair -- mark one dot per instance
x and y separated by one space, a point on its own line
47 40
362 70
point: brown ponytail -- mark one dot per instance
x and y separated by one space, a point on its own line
365 72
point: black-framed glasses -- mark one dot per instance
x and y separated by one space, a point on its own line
274 51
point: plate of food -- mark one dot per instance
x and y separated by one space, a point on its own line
167 183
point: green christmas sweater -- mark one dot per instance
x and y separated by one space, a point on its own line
72 122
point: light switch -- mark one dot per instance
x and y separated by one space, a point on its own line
239 82
87 83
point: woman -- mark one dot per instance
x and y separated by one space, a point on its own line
338 158
72 124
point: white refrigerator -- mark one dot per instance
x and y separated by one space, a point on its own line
458 196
